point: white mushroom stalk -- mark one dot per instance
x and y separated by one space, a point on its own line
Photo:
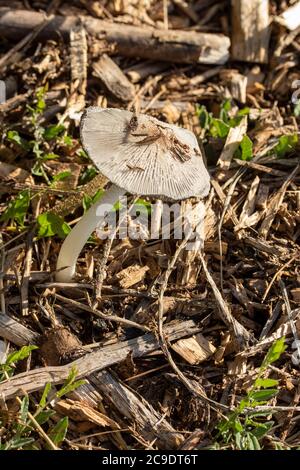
75 241
140 155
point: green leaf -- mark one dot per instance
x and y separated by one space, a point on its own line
142 206
262 429
218 128
23 415
67 140
61 176
53 131
225 108
50 224
246 148
17 208
204 117
44 416
286 144
87 201
18 443
14 136
297 109
50 156
265 383
58 433
17 356
46 392
88 174
252 442
70 384
262 395
244 112
274 353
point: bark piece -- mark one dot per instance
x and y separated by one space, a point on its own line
16 333
132 275
234 138
36 379
78 411
195 349
130 41
148 421
113 78
250 30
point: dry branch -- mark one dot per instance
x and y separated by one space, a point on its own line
36 379
114 80
147 421
13 331
130 41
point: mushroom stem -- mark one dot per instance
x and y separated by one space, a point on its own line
78 236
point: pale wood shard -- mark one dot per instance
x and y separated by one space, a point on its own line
290 18
114 80
129 41
147 420
250 30
239 87
193 216
141 70
248 217
132 275
195 349
16 333
79 411
233 140
36 379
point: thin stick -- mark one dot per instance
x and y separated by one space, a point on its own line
163 342
114 318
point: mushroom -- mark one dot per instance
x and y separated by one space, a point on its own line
140 155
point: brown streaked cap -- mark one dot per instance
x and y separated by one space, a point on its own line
144 155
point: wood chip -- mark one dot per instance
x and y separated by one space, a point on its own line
234 138
195 349
79 411
114 80
132 275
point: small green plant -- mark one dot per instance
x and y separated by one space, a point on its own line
21 432
50 224
219 127
17 208
44 140
244 427
286 144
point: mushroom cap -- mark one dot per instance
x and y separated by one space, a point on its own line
144 155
